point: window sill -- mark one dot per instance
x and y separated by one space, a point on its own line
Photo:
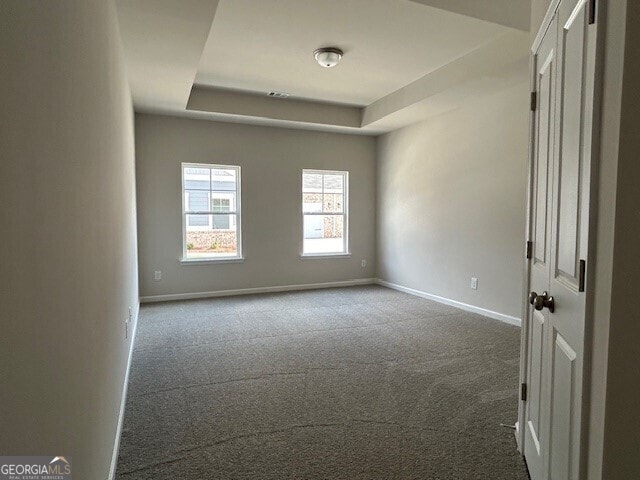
305 256
210 261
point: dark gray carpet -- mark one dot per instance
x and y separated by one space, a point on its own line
352 383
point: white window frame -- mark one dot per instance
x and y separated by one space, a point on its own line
345 213
237 212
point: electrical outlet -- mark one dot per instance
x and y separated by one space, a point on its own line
474 283
364 263
157 275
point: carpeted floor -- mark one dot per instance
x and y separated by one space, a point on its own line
351 383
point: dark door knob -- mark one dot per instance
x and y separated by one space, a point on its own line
542 301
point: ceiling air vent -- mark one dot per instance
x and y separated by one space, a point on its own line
278 94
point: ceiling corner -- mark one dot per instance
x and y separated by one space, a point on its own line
163 42
509 13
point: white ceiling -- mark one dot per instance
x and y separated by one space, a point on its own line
259 45
405 60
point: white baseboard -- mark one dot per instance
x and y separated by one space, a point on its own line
247 291
454 303
123 400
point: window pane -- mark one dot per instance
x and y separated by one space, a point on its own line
218 239
223 202
333 202
311 183
333 183
223 179
221 222
198 222
311 202
323 234
196 201
196 179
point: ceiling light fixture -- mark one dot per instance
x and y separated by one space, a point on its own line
328 57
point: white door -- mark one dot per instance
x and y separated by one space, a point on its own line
559 216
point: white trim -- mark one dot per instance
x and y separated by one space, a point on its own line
454 303
345 208
248 291
544 26
306 256
123 401
238 206
210 260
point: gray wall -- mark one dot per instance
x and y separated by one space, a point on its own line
272 160
451 203
622 417
600 273
67 208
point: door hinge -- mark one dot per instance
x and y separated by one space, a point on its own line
523 392
534 101
529 249
581 279
592 12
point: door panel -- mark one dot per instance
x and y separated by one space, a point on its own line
536 378
546 78
563 381
570 158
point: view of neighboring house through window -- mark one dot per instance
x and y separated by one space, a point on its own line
211 211
324 208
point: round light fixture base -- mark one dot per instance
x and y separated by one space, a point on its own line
328 57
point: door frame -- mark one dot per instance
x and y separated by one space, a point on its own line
592 229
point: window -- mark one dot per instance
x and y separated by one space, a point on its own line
211 212
324 210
